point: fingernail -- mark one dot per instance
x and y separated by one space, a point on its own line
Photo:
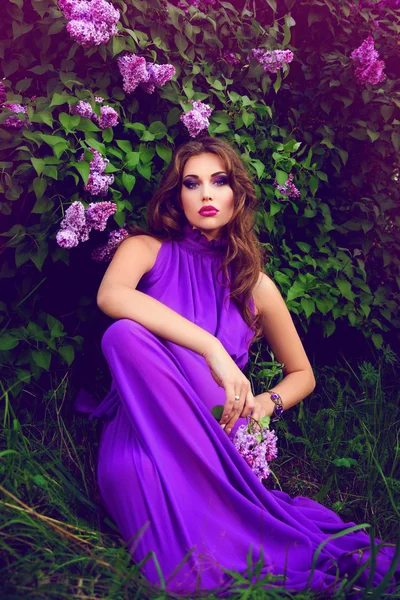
223 425
228 430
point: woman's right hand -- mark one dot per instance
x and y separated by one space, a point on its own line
227 375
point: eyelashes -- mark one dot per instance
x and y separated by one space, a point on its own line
190 184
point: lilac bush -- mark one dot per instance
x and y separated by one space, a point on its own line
91 22
3 95
108 116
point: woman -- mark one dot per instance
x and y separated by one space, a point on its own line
188 299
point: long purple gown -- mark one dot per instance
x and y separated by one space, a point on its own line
169 475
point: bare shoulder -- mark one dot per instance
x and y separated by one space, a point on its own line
266 294
147 243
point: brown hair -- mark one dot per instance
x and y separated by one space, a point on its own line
166 219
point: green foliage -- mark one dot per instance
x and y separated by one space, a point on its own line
333 251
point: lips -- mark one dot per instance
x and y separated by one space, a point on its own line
208 211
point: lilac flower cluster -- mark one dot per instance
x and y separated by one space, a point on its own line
289 189
136 71
3 95
78 223
256 453
13 121
272 60
392 4
97 184
368 69
91 22
197 119
106 252
231 58
197 3
108 116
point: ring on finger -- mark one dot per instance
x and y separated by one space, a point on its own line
237 398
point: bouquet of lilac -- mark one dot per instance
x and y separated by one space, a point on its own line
255 442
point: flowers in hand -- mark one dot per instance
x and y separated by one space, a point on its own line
91 22
197 119
77 223
136 71
368 69
255 442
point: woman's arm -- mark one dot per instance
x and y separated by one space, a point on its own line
118 297
284 341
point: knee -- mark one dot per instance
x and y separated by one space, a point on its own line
122 334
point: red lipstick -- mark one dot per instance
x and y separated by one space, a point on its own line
208 211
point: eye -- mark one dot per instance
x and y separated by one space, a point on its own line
191 184
221 181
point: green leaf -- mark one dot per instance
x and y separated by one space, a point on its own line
308 306
125 145
173 116
38 164
180 42
217 411
296 290
42 358
313 184
52 140
248 118
158 128
377 339
272 4
164 152
68 353
396 140
39 186
83 169
345 288
118 44
59 99
129 181
42 205
281 177
304 246
8 341
278 82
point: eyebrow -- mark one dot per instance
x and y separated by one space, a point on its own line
213 175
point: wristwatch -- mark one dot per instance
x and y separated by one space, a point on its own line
278 409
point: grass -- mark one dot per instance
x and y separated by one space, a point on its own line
340 447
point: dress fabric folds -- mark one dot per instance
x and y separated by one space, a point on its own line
171 478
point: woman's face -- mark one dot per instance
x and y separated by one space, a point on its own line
205 184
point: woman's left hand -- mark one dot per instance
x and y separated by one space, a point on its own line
263 406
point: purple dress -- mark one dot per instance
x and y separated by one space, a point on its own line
169 475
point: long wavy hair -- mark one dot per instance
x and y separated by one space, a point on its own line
166 219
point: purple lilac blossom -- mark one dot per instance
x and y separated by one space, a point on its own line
136 71
97 214
289 189
91 22
197 119
272 60
231 58
196 3
99 99
73 227
257 454
3 95
368 69
98 184
83 109
106 252
158 75
108 117
78 223
13 121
